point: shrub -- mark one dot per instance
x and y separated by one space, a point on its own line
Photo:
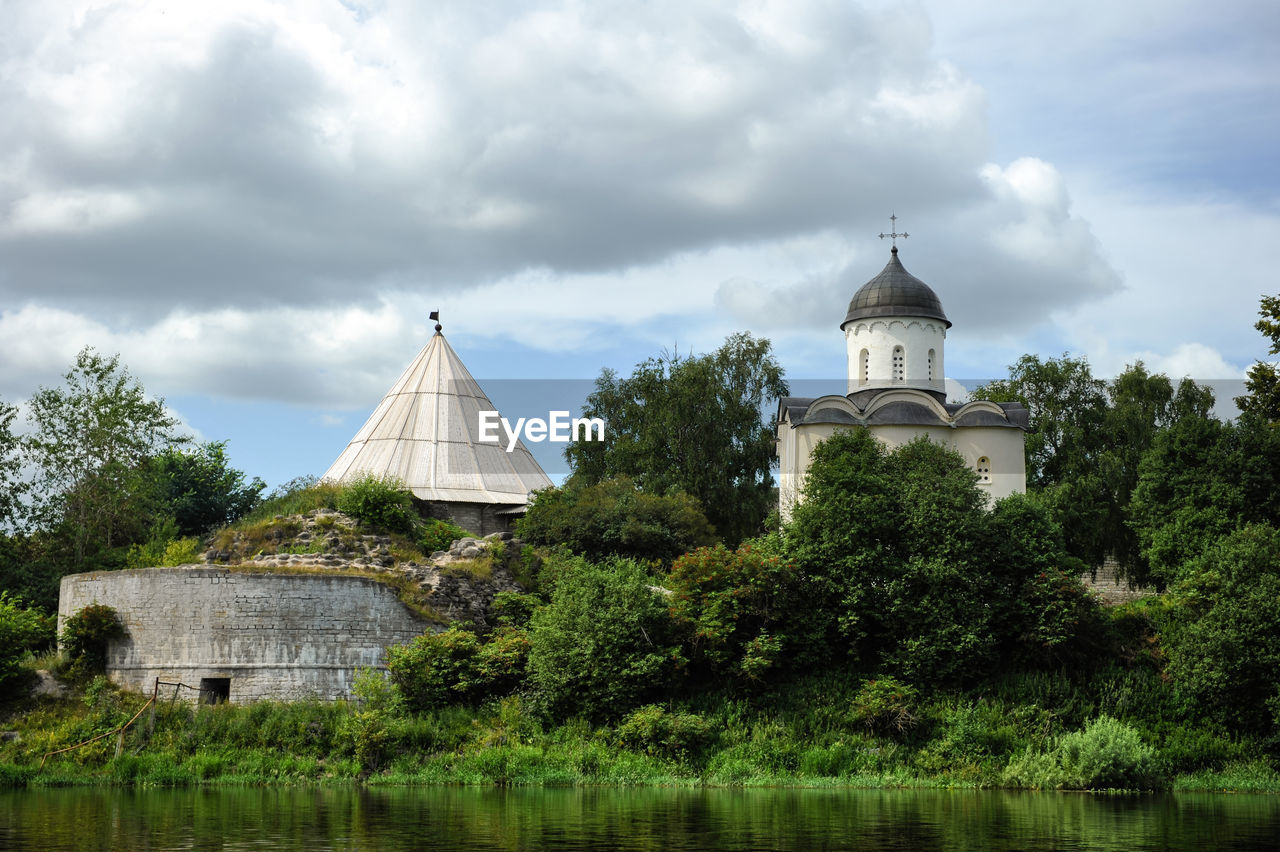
603 643
1107 754
513 609
86 636
435 669
655 730
22 630
886 706
499 664
732 603
616 518
1224 648
379 502
438 535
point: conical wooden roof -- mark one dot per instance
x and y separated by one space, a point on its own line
426 433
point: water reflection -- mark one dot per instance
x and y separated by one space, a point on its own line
645 819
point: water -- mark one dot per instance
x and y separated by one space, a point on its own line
647 819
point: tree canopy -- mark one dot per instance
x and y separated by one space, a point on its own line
89 442
1263 380
696 424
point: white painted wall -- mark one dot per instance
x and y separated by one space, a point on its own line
879 336
1003 446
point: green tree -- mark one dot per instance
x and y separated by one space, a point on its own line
615 518
1067 406
695 424
200 490
1263 380
1200 481
733 607
22 630
1141 406
603 644
90 441
907 572
1226 656
11 484
1086 441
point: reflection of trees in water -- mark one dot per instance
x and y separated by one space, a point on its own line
658 819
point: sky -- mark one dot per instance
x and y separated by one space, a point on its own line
257 203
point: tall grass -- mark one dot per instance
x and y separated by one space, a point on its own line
806 735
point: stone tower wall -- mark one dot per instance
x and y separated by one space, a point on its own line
278 636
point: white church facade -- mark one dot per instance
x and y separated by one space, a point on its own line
895 331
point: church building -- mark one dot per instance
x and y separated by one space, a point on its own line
894 333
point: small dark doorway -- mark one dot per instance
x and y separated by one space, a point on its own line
215 690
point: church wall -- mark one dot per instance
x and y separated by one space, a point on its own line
274 636
879 337
1002 446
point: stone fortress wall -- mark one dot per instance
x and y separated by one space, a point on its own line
244 636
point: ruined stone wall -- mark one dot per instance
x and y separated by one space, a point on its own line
278 636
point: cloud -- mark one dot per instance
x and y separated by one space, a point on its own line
265 154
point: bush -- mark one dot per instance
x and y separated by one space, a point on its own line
615 518
732 605
438 535
886 706
1224 645
379 502
22 630
86 636
455 667
513 609
435 669
657 731
1107 754
603 644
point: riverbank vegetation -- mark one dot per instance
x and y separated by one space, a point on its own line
898 630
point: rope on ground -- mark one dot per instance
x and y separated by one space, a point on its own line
118 730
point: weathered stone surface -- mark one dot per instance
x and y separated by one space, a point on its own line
48 686
280 636
274 635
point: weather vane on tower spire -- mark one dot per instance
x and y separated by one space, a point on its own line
893 228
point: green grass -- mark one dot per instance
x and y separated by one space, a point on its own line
802 736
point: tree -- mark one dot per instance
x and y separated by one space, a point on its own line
1142 405
22 630
695 424
614 518
603 644
1087 439
11 485
1067 407
90 441
907 572
1226 656
200 490
1263 380
1200 481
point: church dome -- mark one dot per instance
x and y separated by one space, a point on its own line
895 293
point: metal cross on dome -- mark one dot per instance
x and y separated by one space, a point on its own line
893 219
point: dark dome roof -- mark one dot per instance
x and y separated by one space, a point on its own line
895 292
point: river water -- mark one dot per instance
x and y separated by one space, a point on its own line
456 818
